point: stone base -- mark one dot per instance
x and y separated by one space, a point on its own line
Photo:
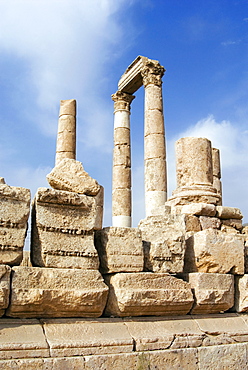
120 249
137 294
199 343
194 194
48 292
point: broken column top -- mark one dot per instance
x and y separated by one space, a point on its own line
132 79
67 107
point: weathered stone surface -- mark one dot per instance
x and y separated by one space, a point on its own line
164 243
4 287
228 212
199 209
192 223
26 259
229 229
241 293
231 357
22 339
144 293
48 292
237 224
70 175
211 250
77 337
63 226
213 293
119 249
209 222
14 212
153 333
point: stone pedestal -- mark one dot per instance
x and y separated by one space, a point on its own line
194 172
54 292
63 225
121 182
14 213
154 145
66 139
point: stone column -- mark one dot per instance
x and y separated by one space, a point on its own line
217 173
154 145
121 183
66 139
194 172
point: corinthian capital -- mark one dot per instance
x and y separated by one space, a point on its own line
152 73
122 100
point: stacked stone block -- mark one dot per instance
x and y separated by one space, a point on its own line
14 213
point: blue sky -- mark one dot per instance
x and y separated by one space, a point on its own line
78 49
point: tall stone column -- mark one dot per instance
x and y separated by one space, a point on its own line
154 141
217 173
194 172
66 139
121 183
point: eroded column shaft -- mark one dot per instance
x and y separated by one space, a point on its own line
121 182
154 141
66 139
217 173
194 162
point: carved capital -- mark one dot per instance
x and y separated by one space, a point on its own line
152 73
122 101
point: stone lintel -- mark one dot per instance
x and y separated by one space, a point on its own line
132 80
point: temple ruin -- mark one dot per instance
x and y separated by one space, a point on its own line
171 293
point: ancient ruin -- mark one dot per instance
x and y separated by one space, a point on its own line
170 293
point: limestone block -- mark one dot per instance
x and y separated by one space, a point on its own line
154 122
164 243
122 136
26 261
77 337
192 223
146 293
4 287
209 222
228 212
241 293
121 155
54 292
66 139
14 212
67 107
119 249
122 177
231 357
229 229
121 199
153 98
22 339
199 209
233 222
155 174
211 250
154 146
69 175
213 293
156 333
63 226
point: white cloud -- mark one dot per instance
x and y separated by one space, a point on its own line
232 142
66 46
